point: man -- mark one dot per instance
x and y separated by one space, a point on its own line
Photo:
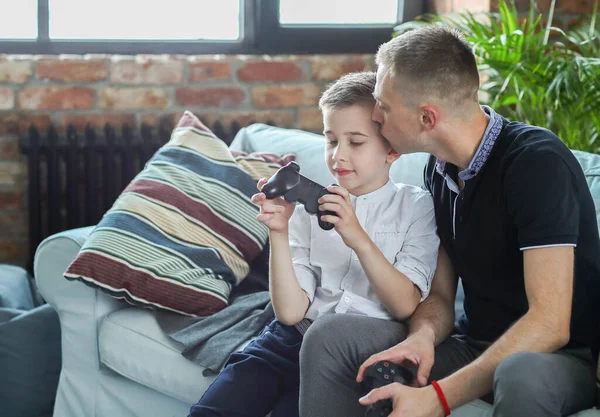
517 223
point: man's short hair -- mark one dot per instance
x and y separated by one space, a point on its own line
351 89
432 61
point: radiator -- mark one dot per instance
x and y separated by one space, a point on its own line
74 177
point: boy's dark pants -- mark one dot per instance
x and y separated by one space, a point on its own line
263 377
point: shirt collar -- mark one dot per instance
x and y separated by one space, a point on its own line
492 131
381 194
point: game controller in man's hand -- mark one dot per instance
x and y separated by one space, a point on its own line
293 186
380 374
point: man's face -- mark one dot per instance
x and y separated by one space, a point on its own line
400 123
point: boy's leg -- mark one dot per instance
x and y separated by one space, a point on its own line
287 406
333 349
545 384
250 383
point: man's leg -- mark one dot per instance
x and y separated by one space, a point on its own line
545 384
250 384
454 353
333 349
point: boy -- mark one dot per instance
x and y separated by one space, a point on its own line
378 261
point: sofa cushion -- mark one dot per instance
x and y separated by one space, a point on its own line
30 360
132 344
184 231
590 163
15 288
308 149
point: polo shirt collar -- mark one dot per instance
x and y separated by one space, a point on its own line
492 131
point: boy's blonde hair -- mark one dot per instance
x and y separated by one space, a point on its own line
351 89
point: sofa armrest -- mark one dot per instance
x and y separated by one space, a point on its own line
81 310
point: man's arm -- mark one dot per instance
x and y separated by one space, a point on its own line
434 317
430 324
544 328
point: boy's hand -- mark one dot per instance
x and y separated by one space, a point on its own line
276 213
344 221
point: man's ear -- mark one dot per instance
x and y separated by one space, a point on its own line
392 156
429 117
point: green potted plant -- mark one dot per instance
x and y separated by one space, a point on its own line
533 71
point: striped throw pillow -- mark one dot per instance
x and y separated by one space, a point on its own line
184 231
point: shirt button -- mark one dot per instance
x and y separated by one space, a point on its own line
347 299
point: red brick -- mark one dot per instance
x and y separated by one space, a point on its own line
13 224
40 98
12 199
133 98
72 70
439 6
285 96
12 173
209 71
524 5
17 124
275 71
7 98
473 6
333 67
11 251
80 121
9 149
147 70
310 119
14 71
210 97
575 6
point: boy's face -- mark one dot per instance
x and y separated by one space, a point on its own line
357 155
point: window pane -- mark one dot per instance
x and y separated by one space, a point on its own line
145 19
338 12
18 19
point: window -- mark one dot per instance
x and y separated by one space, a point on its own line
200 26
144 20
18 19
338 12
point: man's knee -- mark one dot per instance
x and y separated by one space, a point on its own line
521 373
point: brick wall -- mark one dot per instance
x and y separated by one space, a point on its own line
78 90
123 89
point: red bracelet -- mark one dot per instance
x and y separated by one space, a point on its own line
442 398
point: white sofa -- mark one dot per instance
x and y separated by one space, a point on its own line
116 360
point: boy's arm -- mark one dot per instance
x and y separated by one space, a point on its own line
288 265
402 285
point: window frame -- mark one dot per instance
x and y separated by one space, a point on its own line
262 34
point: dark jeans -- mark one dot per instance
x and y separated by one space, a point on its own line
263 377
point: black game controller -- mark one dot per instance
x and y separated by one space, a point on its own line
293 186
380 374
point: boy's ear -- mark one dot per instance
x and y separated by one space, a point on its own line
392 155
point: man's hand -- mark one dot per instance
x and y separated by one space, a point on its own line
407 401
344 220
417 348
276 213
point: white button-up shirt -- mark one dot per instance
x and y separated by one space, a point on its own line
398 218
